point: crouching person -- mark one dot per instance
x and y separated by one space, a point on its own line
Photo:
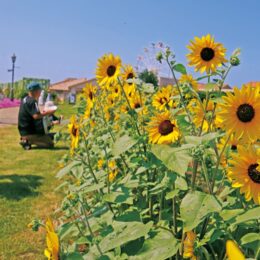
30 123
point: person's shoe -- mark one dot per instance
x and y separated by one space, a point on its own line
25 144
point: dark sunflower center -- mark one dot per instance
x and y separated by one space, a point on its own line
166 127
74 131
207 54
116 90
245 113
91 95
137 105
253 173
233 147
163 100
130 75
111 70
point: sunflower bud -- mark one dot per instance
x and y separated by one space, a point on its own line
34 225
234 61
159 56
168 52
198 151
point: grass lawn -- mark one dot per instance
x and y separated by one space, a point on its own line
27 183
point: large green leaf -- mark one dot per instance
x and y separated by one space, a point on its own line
68 230
228 214
195 206
197 140
122 144
248 215
180 68
250 237
123 233
73 256
161 246
90 187
118 197
67 169
175 159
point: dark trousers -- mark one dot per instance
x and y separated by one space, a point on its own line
45 141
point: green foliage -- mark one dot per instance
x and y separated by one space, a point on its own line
195 206
145 179
180 68
175 159
148 77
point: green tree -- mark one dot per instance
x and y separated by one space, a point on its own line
149 77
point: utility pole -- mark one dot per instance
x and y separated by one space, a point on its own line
12 70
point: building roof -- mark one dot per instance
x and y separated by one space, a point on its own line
67 84
164 81
225 88
254 83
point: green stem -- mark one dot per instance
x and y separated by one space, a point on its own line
111 134
181 96
89 228
218 162
107 167
205 171
194 173
161 205
94 176
174 212
204 227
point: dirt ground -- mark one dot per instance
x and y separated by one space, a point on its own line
9 116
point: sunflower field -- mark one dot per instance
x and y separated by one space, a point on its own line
159 172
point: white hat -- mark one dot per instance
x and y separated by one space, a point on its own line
49 105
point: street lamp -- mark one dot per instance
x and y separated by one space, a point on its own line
12 70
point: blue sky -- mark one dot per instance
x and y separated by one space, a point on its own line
62 38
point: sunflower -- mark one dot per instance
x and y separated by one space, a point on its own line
163 130
130 90
124 108
116 90
244 172
108 69
136 102
112 170
100 163
52 241
233 252
187 78
233 142
240 113
206 54
107 113
128 73
89 92
87 112
188 245
111 100
74 133
163 99
203 115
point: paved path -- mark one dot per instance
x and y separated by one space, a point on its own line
9 116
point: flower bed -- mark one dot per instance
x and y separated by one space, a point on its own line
6 103
160 173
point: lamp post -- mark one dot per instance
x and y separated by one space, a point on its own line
12 70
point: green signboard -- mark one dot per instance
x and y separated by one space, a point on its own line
20 86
